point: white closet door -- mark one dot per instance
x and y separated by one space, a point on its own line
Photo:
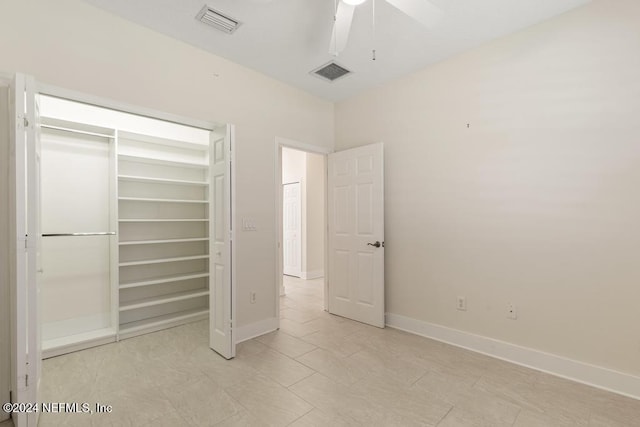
25 173
292 229
222 292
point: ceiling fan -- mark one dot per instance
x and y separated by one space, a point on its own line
423 11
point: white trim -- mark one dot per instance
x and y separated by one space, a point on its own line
5 258
585 373
60 347
309 275
252 330
231 132
290 143
99 101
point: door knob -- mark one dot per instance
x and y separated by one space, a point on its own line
375 245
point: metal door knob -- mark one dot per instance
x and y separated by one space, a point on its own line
376 244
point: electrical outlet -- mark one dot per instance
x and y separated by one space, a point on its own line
461 304
512 312
252 297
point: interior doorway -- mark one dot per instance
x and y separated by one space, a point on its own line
301 186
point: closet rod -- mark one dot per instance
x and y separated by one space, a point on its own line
82 132
102 233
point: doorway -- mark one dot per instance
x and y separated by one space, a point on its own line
352 228
301 220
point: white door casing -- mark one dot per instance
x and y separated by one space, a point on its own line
25 224
356 234
221 289
292 229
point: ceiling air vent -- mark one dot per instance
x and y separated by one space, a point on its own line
217 20
330 71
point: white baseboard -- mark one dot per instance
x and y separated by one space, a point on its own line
252 330
596 376
309 275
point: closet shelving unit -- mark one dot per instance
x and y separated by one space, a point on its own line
77 322
163 210
126 222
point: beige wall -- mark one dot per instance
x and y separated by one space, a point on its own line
536 203
315 214
73 45
5 308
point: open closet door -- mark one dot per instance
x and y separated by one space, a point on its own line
25 225
222 290
356 234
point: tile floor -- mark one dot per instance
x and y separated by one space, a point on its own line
318 370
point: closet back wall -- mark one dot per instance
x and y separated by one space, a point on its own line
74 45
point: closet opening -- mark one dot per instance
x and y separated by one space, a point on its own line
131 222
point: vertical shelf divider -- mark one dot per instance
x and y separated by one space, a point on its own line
114 240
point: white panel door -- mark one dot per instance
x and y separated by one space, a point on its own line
221 289
356 234
292 229
25 173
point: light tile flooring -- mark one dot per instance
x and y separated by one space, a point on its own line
318 370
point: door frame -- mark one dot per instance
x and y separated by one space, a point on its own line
281 143
99 101
5 249
24 245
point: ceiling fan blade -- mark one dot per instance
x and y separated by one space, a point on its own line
422 11
341 28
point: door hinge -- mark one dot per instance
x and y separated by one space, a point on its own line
26 122
26 380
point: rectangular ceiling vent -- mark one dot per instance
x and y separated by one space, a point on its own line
330 71
217 20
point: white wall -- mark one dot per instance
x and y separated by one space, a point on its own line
536 203
73 45
5 318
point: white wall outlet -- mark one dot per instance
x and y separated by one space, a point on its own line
461 303
252 297
512 312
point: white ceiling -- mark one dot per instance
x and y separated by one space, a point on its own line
286 39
